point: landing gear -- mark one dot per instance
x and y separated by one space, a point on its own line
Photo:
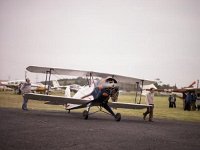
118 117
85 114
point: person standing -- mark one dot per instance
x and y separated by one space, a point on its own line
188 100
193 101
25 88
173 101
149 101
170 101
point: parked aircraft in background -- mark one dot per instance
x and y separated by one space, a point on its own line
57 86
191 85
16 84
181 93
190 88
3 87
95 93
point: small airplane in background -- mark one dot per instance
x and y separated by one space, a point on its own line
180 92
57 86
191 85
95 93
16 84
190 88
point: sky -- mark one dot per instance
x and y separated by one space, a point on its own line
146 39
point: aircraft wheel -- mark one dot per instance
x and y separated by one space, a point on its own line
118 117
85 114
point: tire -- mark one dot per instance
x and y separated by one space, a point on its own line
118 117
85 114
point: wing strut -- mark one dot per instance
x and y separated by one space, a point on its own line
141 90
48 74
90 79
136 94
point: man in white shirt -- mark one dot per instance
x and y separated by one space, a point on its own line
149 101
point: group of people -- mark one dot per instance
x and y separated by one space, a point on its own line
190 101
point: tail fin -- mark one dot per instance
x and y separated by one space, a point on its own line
67 92
55 84
191 85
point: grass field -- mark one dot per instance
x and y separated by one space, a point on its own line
161 110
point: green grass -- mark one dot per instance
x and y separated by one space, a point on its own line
161 110
11 100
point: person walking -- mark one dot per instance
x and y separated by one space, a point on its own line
25 88
149 101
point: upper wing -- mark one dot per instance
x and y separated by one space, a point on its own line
80 73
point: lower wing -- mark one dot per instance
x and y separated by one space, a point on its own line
128 105
56 100
79 103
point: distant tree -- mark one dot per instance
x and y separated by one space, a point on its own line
80 81
159 85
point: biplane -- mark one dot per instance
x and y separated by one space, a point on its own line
97 92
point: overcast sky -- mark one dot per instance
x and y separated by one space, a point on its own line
140 38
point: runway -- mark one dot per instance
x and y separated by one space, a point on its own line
52 130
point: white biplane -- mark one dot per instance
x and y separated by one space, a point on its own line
95 93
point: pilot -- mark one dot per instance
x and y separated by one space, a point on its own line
25 88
